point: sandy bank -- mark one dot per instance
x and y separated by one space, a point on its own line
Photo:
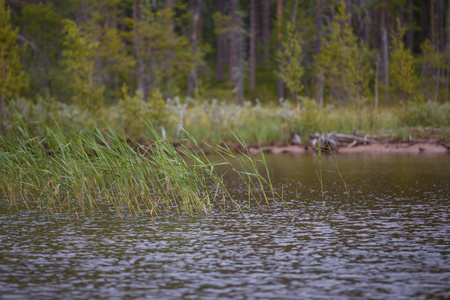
399 148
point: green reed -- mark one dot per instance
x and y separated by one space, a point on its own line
71 174
247 168
319 173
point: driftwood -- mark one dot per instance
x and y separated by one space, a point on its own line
335 140
295 138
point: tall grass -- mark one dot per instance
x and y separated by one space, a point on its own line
70 174
323 145
257 123
246 167
319 173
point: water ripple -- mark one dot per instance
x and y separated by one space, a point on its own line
379 243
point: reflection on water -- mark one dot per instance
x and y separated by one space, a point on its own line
389 239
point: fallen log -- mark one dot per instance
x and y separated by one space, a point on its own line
351 138
326 142
335 140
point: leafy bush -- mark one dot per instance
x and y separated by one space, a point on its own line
430 114
49 112
132 112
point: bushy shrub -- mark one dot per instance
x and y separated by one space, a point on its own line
49 112
429 114
132 113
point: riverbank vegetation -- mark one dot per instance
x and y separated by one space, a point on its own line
214 121
263 67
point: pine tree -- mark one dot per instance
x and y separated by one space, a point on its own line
80 55
40 25
290 61
164 57
116 60
433 63
12 77
232 26
401 71
344 61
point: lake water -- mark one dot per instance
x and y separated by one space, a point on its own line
390 239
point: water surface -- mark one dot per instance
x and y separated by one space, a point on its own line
388 240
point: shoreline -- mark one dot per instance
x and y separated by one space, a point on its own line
422 147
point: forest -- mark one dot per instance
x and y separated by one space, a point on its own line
265 67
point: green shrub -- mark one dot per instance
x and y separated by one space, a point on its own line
429 114
132 113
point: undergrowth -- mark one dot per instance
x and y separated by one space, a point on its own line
215 120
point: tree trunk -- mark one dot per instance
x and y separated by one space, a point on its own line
426 71
448 29
294 95
437 77
424 22
220 51
236 51
409 32
384 74
367 23
377 70
196 7
266 26
2 115
252 44
143 84
441 26
280 84
405 108
232 42
448 53
240 64
99 63
294 12
318 49
433 41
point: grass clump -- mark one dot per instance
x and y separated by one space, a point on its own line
70 174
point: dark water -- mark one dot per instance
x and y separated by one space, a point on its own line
389 240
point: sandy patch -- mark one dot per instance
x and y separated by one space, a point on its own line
400 148
406 148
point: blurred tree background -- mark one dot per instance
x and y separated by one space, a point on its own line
100 53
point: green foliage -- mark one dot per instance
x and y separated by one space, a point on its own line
13 79
214 120
34 114
429 114
76 67
401 70
401 67
344 61
133 112
41 25
432 62
290 61
81 53
116 61
166 56
221 23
